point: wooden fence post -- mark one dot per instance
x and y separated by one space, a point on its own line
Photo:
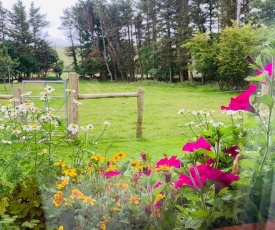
17 94
73 108
140 97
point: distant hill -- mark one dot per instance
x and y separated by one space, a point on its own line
61 53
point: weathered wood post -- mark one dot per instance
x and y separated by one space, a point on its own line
17 95
140 96
73 108
264 89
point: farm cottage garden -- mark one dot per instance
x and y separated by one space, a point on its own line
224 175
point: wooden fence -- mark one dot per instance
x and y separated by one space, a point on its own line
16 94
73 108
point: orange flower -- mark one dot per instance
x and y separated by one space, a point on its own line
61 228
58 198
76 194
70 172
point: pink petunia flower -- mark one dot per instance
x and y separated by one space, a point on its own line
241 102
200 143
110 174
202 173
267 68
232 151
143 156
172 162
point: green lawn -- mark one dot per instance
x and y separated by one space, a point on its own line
162 101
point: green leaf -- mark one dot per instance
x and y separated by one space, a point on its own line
226 130
194 224
265 99
261 78
249 164
158 190
200 214
208 153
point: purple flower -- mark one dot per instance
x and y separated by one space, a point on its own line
200 143
241 102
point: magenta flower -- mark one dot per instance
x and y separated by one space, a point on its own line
201 174
200 143
143 156
172 162
111 174
241 102
267 68
232 151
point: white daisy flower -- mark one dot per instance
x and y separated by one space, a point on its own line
73 128
106 123
6 142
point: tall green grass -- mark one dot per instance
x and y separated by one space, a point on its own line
162 133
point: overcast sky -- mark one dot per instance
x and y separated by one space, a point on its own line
53 9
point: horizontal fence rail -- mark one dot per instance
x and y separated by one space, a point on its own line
73 108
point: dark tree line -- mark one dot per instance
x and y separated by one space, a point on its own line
126 39
123 39
23 42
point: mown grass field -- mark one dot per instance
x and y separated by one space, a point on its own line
162 133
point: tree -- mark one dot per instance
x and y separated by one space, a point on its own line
19 25
234 44
262 12
37 23
67 25
203 51
3 22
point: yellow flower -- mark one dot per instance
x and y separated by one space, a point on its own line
114 159
159 197
120 154
134 163
134 200
98 158
76 194
102 225
60 163
62 184
70 172
87 199
122 185
162 168
116 209
58 198
110 169
61 228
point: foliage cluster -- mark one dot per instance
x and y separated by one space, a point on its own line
24 48
222 58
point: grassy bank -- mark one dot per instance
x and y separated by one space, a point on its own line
162 133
